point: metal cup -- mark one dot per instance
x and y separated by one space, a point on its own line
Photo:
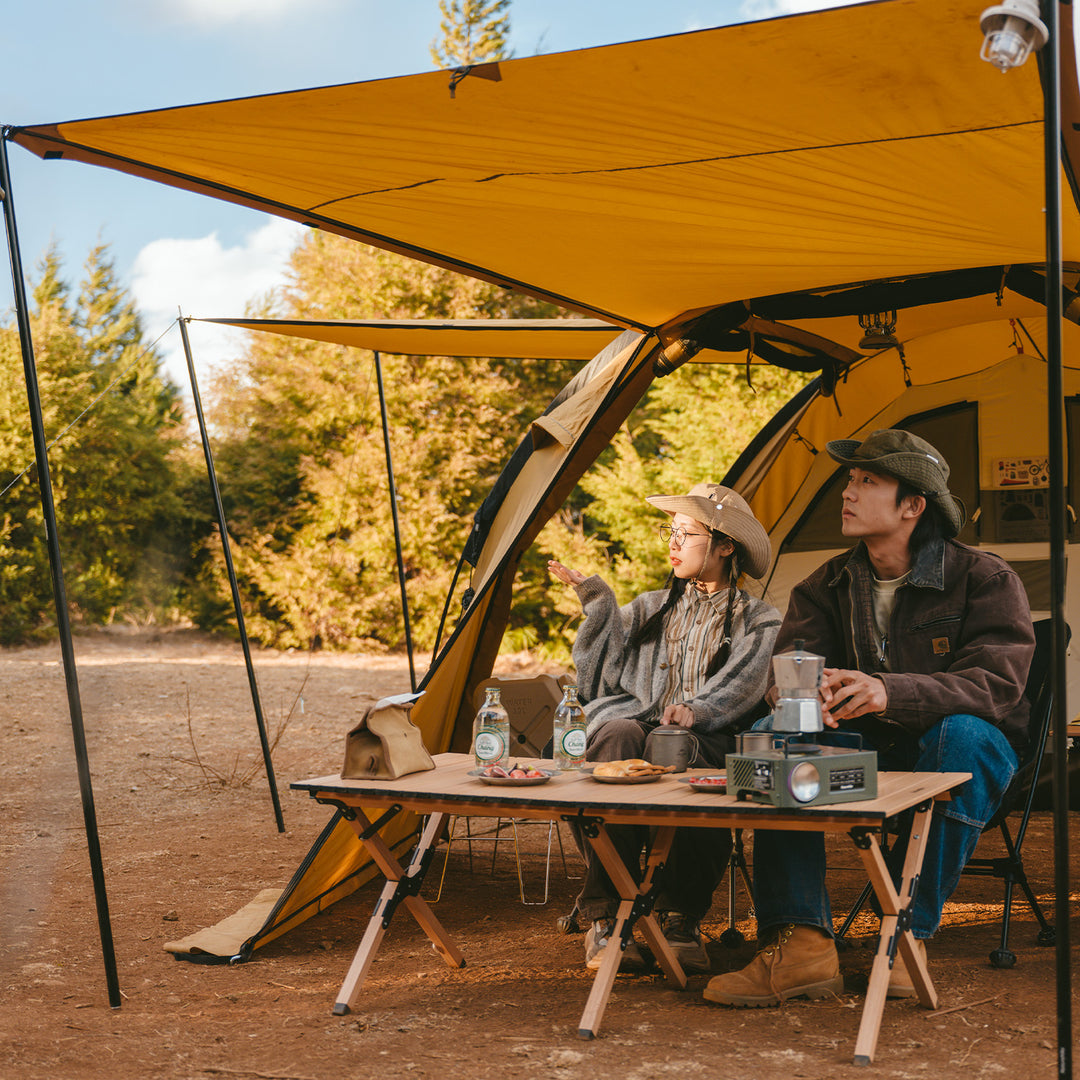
753 742
669 745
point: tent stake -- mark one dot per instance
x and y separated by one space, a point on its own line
63 622
1050 70
397 528
223 529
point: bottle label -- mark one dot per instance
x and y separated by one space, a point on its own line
573 743
489 745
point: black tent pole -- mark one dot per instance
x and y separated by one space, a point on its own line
397 528
1055 399
63 622
223 529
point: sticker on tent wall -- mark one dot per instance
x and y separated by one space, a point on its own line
1029 472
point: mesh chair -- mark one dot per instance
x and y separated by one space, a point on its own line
1018 798
497 836
530 703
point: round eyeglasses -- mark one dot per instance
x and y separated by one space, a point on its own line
677 533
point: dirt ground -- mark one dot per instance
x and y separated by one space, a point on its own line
185 845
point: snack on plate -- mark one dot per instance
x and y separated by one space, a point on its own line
631 767
529 772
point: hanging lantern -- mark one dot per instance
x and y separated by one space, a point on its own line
879 330
1010 31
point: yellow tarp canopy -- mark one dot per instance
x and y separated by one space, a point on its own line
638 181
539 339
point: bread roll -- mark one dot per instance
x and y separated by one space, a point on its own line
617 768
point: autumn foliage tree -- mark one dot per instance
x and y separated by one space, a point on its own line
302 458
302 463
473 31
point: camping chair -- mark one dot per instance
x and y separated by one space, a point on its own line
733 937
1019 796
454 834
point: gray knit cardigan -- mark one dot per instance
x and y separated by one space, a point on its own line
614 681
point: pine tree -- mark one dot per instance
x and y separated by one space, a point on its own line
114 427
473 32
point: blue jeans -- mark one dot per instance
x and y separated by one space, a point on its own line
789 867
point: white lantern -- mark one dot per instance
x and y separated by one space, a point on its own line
1010 31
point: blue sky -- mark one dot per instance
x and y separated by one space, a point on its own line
68 59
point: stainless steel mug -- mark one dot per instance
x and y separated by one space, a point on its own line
753 742
670 745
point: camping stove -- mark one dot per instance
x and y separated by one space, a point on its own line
784 767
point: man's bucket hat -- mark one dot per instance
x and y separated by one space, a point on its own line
908 458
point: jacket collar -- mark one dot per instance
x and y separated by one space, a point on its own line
927 571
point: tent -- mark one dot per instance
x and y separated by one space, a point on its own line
967 373
748 189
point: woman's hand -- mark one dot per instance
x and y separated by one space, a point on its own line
679 715
564 573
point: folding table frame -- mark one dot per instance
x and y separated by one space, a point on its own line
666 804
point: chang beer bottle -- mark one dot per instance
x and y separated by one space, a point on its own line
568 731
491 731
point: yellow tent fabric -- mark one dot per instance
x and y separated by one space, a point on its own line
532 339
639 181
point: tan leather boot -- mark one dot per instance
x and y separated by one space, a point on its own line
900 983
801 962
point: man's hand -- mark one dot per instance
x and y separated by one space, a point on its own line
679 715
846 695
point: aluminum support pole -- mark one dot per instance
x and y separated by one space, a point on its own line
223 529
397 527
63 621
1055 401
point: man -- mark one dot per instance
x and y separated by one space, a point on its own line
927 644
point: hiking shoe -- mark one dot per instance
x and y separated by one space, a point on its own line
801 962
900 982
683 934
597 939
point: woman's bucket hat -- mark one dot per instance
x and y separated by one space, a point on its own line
721 508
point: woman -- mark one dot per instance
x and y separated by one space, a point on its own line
695 653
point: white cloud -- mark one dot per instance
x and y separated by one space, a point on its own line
203 279
220 12
768 9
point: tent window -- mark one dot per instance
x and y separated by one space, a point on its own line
1035 574
954 430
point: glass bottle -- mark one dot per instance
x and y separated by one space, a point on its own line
491 731
568 731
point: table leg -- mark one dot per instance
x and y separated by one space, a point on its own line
894 916
401 886
664 953
630 891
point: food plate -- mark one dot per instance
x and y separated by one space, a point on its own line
624 779
716 784
514 781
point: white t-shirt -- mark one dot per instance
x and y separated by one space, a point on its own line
884 599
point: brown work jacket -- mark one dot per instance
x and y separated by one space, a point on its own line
960 638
